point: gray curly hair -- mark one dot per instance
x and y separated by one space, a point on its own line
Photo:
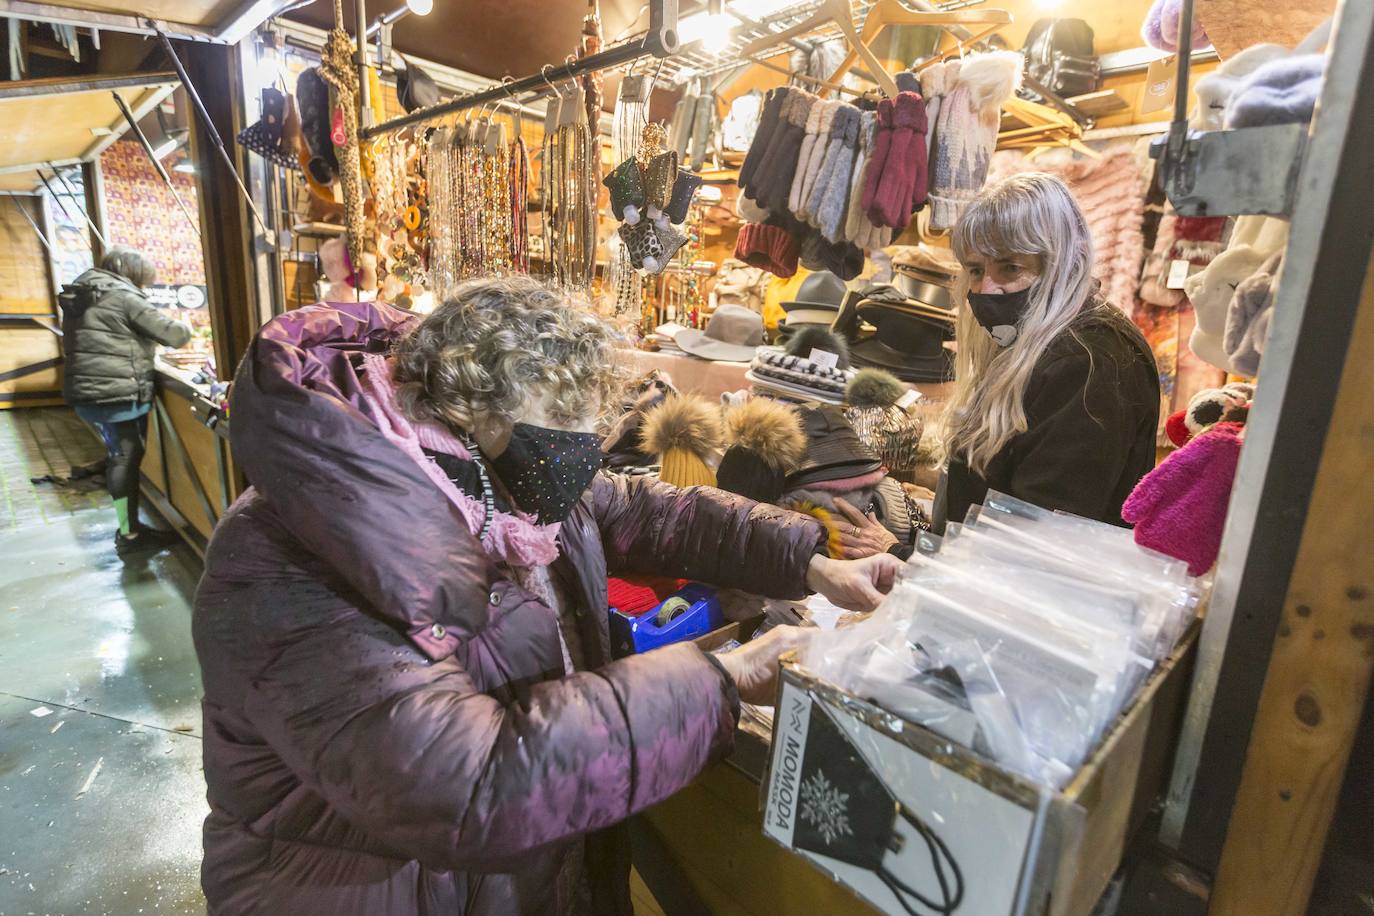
499 344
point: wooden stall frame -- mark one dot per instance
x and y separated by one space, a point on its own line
1277 489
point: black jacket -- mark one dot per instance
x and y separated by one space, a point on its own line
110 332
1092 411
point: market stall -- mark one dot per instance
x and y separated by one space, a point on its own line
761 198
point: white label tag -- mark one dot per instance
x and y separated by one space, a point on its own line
1178 272
824 358
906 400
791 722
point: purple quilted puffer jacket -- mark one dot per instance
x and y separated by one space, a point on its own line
388 727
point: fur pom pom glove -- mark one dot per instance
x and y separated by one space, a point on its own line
1247 318
1283 91
831 193
1179 508
967 132
935 81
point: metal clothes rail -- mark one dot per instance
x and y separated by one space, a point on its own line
660 41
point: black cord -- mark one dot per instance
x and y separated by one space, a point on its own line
939 856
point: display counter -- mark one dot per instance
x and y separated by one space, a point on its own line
188 471
711 378
706 846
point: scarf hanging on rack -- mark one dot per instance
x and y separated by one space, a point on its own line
336 69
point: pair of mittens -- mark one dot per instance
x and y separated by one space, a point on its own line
651 245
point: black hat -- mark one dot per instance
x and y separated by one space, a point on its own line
818 300
908 343
833 449
766 443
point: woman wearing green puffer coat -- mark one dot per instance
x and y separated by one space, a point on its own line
110 335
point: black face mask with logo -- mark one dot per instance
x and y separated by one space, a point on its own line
848 814
1000 313
547 470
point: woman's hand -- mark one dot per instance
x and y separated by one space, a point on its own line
754 665
855 585
862 535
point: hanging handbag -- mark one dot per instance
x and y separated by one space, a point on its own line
1059 56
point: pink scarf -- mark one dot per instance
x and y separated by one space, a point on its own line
514 538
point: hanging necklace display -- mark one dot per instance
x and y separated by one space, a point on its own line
569 202
336 69
631 114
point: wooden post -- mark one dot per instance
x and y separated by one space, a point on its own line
93 185
226 227
1319 673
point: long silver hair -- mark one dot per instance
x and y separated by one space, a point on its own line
1029 214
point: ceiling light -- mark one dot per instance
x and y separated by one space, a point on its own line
420 7
162 149
712 31
1048 5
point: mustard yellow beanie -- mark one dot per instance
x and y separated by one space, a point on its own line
686 433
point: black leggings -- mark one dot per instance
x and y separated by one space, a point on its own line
124 443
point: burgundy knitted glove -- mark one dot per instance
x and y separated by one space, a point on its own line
905 165
877 157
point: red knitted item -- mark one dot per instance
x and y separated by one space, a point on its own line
640 594
770 248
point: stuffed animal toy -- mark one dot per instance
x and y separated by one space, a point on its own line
766 443
1179 508
1230 403
686 433
1210 290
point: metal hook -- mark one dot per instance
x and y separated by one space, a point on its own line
544 74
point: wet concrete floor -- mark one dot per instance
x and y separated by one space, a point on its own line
101 791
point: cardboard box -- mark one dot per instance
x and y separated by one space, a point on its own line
897 813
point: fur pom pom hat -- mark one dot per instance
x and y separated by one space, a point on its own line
766 444
1162 23
686 433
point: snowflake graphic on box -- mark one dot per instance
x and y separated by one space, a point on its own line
825 807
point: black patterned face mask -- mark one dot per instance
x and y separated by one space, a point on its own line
548 470
848 814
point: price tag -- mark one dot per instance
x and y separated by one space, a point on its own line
1160 80
1178 272
906 400
824 358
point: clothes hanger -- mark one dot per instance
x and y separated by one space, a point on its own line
892 12
839 13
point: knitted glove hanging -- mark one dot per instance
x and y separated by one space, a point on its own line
831 192
769 121
855 218
877 157
814 145
902 168
776 173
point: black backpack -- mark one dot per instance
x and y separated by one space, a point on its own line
1059 56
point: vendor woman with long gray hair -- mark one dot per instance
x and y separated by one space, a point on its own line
1057 394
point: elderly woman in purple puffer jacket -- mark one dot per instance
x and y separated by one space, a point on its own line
410 705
